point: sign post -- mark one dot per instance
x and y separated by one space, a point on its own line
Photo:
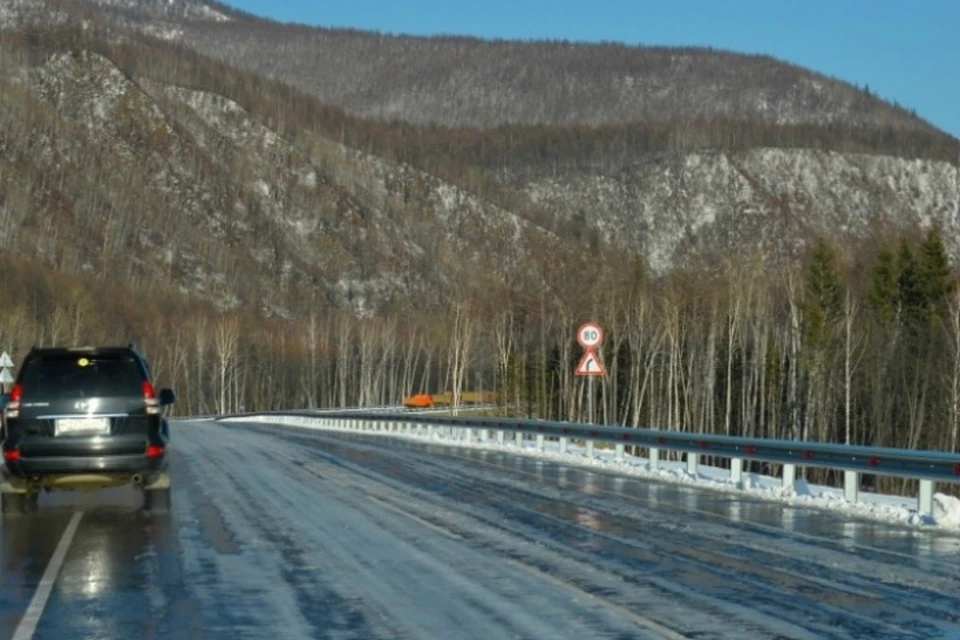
6 378
590 337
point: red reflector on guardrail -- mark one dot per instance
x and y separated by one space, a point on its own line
702 444
660 440
626 436
593 434
565 430
807 455
874 461
956 469
750 449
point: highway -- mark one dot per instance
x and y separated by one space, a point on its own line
279 532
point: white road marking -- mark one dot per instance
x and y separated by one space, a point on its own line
28 624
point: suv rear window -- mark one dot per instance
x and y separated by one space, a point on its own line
81 375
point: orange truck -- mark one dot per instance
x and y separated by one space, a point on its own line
427 400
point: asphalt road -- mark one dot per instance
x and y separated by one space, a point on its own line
278 532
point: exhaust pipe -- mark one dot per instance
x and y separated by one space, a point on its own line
137 479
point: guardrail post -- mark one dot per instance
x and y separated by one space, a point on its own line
789 476
925 500
500 437
590 449
851 485
693 462
431 431
539 442
620 452
519 439
736 471
484 435
563 445
654 459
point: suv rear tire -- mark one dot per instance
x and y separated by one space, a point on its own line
157 500
19 503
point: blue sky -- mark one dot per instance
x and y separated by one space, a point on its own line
907 51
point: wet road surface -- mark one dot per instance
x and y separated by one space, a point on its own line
279 532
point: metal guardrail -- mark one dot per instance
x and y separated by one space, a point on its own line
928 467
391 409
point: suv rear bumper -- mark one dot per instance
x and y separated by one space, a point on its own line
61 465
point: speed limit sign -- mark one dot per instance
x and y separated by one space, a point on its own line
590 335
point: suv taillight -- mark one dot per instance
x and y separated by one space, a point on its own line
13 405
150 399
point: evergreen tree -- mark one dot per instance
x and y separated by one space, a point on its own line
934 272
910 289
884 285
823 302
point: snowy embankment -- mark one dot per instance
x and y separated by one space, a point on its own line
882 507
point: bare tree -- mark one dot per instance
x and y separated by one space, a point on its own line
852 353
460 348
954 332
226 339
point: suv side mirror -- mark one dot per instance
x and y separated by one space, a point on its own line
167 396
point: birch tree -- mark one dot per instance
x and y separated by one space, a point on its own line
226 339
461 348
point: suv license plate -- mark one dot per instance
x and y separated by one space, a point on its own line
81 426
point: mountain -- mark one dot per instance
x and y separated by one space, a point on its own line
142 180
459 81
271 166
453 81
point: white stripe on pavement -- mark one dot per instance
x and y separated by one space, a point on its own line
31 618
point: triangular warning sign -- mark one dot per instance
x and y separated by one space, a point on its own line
590 365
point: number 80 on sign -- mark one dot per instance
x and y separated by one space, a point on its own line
590 335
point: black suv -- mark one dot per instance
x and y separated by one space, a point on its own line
84 418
